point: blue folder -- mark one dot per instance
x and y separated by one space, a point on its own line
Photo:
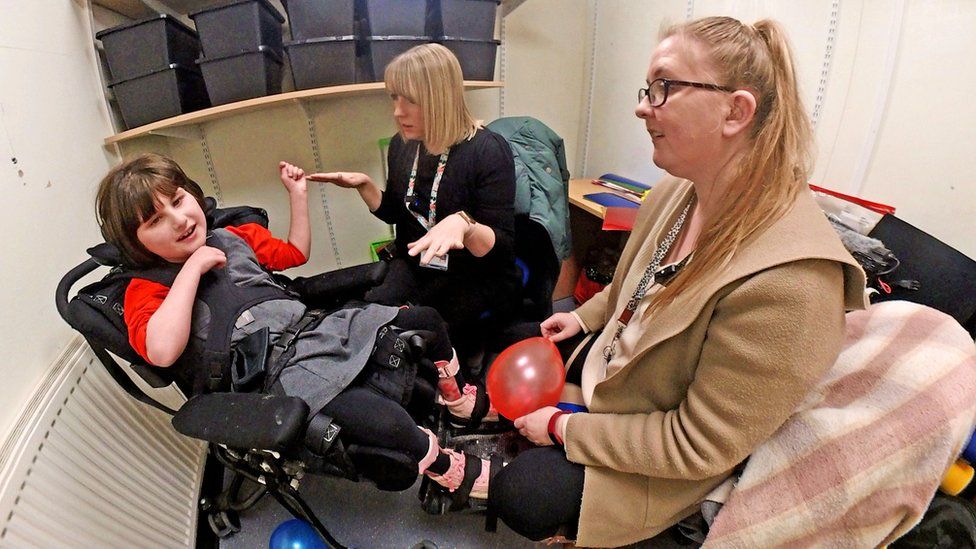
609 200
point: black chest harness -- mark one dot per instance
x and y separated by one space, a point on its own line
204 365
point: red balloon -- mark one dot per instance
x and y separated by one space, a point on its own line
525 377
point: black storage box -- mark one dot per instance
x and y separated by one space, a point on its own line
477 57
326 61
382 50
238 26
471 19
162 93
396 17
146 45
242 75
320 18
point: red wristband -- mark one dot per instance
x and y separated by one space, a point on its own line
553 435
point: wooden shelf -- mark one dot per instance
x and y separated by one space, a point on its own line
231 109
133 9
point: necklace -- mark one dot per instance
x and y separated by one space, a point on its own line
646 281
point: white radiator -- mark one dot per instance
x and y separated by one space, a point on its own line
88 466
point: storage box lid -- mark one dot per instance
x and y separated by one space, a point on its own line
320 40
264 3
165 16
171 66
458 39
266 50
398 37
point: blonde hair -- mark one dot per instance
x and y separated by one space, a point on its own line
127 196
430 76
775 168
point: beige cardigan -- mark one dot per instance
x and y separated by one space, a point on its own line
718 371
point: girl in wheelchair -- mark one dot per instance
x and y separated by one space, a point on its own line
201 303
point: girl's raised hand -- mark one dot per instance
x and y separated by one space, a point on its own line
292 177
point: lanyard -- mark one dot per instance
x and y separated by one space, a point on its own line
645 282
432 214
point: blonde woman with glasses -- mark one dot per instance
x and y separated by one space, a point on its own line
726 307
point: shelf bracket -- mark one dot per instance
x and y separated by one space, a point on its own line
211 171
320 167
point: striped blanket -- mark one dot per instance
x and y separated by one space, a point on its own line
860 459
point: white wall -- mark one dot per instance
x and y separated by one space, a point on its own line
52 120
895 123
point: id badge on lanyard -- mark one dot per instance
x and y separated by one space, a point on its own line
439 263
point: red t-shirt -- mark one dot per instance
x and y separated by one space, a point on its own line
143 297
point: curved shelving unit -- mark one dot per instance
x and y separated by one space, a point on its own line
230 109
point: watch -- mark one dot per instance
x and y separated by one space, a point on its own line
464 215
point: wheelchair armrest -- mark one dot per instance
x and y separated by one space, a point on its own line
244 420
336 287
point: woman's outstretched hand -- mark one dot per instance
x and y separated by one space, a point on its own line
560 326
447 235
535 425
349 180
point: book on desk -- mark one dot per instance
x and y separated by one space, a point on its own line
621 200
622 192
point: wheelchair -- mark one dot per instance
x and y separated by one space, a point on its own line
263 438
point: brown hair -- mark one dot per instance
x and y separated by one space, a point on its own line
127 196
430 76
775 168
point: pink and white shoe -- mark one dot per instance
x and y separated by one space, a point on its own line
455 474
466 406
463 408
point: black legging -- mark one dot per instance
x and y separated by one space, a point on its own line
371 419
539 494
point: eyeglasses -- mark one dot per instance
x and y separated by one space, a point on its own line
657 91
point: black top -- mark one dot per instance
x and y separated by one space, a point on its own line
480 179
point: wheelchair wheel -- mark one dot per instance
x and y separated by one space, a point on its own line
224 523
433 499
436 502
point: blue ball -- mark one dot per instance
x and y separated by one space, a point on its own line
295 534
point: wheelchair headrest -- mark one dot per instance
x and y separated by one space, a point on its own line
105 254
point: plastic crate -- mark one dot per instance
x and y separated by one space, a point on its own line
477 57
382 50
149 44
237 27
162 93
326 61
242 75
396 18
320 18
470 19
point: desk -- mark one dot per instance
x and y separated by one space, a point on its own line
580 187
586 225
